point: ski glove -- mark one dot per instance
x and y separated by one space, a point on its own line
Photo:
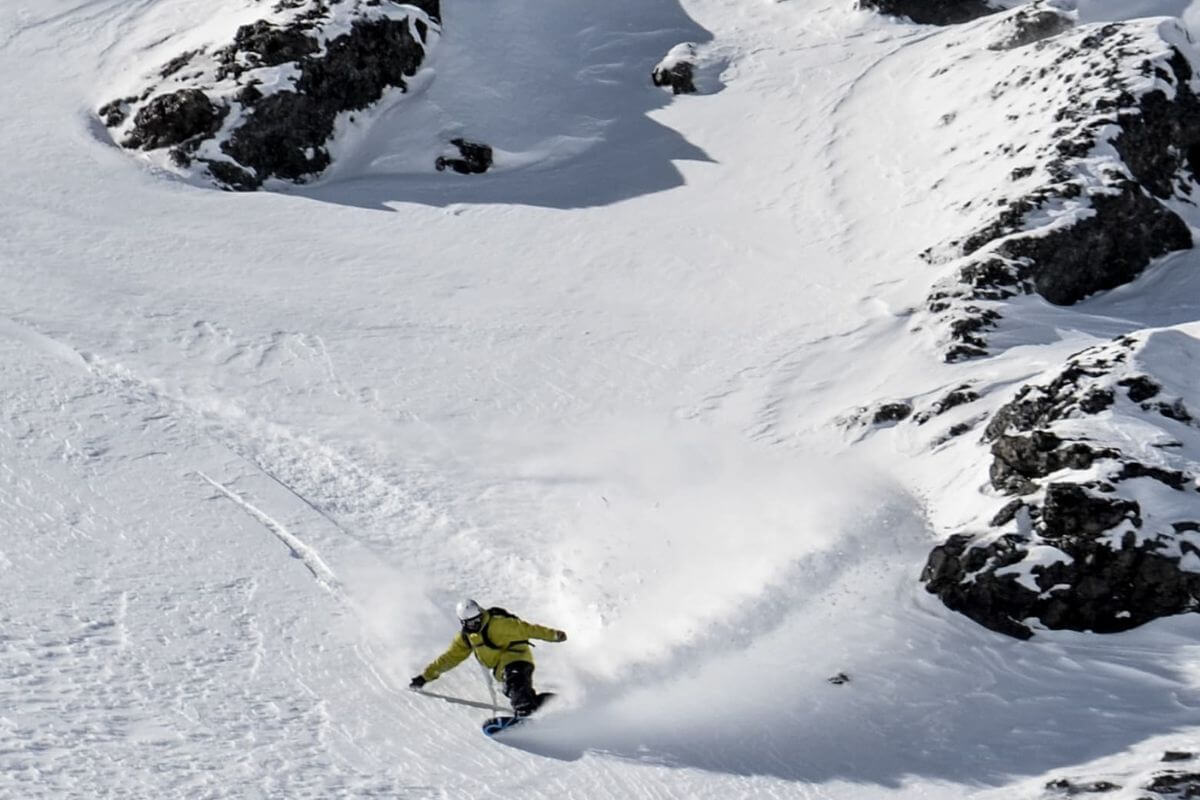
560 636
417 683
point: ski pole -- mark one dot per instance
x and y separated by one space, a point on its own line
491 685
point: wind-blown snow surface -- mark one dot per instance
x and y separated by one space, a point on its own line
252 447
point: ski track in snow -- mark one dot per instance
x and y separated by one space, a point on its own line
416 417
300 550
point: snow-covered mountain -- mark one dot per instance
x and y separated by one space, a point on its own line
720 328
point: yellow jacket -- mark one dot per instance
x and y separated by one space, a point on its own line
501 640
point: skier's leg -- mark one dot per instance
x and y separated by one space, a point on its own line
518 688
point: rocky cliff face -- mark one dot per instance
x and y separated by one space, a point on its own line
1089 207
266 104
1102 528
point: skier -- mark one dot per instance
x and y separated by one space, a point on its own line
500 641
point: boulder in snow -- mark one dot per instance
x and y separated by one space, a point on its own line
473 158
677 71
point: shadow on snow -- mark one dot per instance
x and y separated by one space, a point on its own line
562 91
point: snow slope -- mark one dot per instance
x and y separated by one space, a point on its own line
253 447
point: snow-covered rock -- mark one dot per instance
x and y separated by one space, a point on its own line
1100 458
266 104
677 69
1104 138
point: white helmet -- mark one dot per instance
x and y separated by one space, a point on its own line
468 609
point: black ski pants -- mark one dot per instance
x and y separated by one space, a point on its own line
518 687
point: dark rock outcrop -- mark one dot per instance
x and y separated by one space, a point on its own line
918 411
1128 231
1146 782
474 158
285 133
1074 787
284 81
932 12
263 44
1080 548
1027 25
681 78
175 118
891 412
678 70
1175 784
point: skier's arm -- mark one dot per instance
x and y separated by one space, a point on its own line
454 655
515 629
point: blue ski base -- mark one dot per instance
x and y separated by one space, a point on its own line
496 724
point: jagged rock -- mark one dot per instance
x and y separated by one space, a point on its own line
932 12
172 119
289 77
262 44
1139 387
954 572
1104 251
1095 541
233 176
115 112
286 132
680 77
475 158
1178 784
177 63
891 412
888 413
1093 588
1017 460
1178 755
953 399
1007 514
1069 512
1029 25
1073 788
957 430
